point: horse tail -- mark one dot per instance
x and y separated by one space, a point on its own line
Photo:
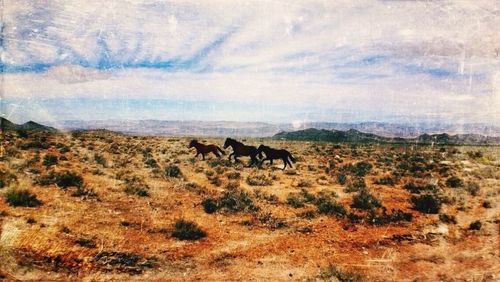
291 157
220 150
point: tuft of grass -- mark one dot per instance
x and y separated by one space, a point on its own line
187 230
259 180
21 198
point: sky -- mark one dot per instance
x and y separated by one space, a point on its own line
273 61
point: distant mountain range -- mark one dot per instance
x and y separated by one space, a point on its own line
262 129
7 125
353 135
375 132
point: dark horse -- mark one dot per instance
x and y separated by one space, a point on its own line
240 149
273 154
205 149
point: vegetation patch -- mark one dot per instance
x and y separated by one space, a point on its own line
123 262
365 201
326 206
231 201
332 273
172 171
454 182
259 180
187 230
49 160
21 198
61 179
428 203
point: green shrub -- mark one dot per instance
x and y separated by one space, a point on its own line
365 201
233 175
355 185
99 159
68 179
418 188
427 203
172 171
136 190
151 163
49 160
294 201
233 201
386 180
21 198
384 218
187 230
327 206
447 218
308 197
473 188
341 178
62 179
475 225
209 205
454 182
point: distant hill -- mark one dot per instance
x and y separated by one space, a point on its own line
352 135
263 129
7 125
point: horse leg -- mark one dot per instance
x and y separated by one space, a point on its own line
230 155
203 154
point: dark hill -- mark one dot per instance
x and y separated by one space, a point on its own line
7 125
352 135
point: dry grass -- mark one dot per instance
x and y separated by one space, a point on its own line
320 220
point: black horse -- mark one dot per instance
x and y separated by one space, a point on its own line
273 154
205 149
240 149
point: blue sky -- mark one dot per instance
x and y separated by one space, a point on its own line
275 61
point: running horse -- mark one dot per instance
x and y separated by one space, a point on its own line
273 154
205 149
240 149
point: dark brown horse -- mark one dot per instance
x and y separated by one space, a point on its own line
273 154
205 149
240 149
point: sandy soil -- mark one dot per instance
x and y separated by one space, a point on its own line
108 234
